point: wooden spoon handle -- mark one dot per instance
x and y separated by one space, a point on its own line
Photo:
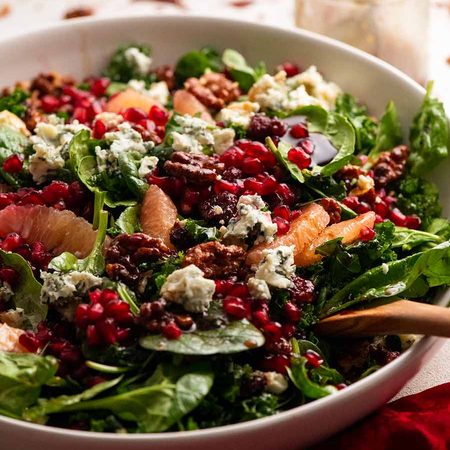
400 317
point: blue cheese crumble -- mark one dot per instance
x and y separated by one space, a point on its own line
189 288
50 144
198 135
126 139
251 219
148 163
258 289
238 114
139 60
277 267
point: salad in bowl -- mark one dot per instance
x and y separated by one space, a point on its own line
170 237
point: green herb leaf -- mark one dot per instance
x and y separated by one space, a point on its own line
22 376
240 71
237 336
27 292
429 136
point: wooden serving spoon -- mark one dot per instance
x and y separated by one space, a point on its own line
400 317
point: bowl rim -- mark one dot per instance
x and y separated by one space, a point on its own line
352 391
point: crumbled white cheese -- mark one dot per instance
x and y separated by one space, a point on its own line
49 145
138 59
189 288
11 120
238 114
58 288
385 268
158 91
258 289
110 119
407 340
277 267
251 218
197 135
148 163
276 383
126 139
281 93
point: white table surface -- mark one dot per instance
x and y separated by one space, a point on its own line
27 14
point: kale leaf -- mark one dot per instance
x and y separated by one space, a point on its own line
14 102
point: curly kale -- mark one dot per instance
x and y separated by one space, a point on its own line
15 102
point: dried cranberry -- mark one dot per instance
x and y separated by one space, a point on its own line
219 207
302 290
262 126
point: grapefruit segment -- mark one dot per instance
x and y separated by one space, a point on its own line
130 99
349 230
59 231
9 339
303 230
158 214
185 103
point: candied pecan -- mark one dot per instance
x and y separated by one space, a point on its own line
216 260
198 169
349 174
219 208
390 166
50 83
214 90
79 12
166 73
333 209
127 251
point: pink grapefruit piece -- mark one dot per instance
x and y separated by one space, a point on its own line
9 339
348 230
303 230
59 231
185 103
158 214
130 99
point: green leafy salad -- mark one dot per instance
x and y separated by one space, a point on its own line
171 235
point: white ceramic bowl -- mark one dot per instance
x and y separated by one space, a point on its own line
82 47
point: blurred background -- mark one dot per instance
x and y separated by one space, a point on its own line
414 35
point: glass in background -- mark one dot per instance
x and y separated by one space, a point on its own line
393 30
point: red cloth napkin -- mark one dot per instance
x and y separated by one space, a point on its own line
416 422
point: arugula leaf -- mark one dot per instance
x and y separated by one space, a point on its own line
22 376
27 292
429 135
389 132
194 64
128 222
240 71
122 70
237 336
14 102
365 127
394 278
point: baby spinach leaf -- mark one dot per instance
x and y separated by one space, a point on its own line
116 87
194 64
65 262
394 278
429 136
27 292
78 149
129 167
14 102
240 71
281 153
237 336
440 227
407 239
127 222
365 127
22 376
389 132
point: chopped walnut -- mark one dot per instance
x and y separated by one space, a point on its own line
214 90
166 73
349 174
331 206
216 260
390 166
49 83
196 168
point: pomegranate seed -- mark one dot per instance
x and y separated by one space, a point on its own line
162 182
269 185
283 225
123 334
171 331
398 218
158 115
107 295
80 114
302 290
94 296
11 242
134 115
313 358
282 211
378 218
223 286
413 222
95 312
253 186
70 356
148 124
286 193
307 146
93 109
99 129
32 198
289 330
107 330
49 104
277 363
291 69
273 330
9 275
239 290
299 157
251 166
5 200
340 386
362 208
92 335
116 308
226 186
55 191
233 157
191 197
292 313
367 234
234 306
13 164
380 207
351 202
260 318
299 131
99 86
81 315
30 342
295 215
